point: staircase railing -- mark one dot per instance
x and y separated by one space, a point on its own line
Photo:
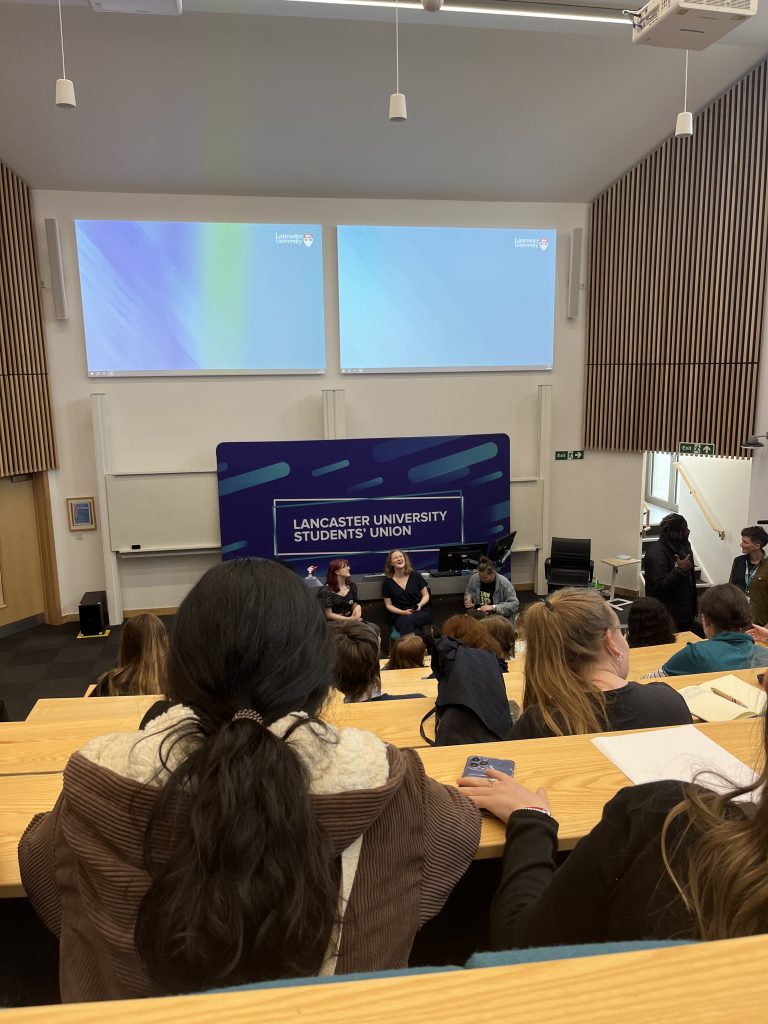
694 494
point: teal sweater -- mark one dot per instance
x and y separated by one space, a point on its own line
724 651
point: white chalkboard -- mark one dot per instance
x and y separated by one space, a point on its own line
163 511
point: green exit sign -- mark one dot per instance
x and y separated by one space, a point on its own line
566 456
696 448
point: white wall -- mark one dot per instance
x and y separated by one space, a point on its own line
175 424
723 487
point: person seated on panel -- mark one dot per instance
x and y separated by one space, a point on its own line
575 673
141 659
750 571
357 673
667 860
472 634
649 624
407 652
725 616
669 572
224 847
502 631
338 598
490 593
405 594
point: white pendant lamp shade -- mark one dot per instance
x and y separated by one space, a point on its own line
684 124
65 93
397 111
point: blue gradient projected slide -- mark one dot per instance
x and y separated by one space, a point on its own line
181 298
446 298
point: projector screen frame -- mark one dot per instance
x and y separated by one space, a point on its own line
534 338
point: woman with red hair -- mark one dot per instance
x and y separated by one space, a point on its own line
338 598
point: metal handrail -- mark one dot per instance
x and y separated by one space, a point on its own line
697 499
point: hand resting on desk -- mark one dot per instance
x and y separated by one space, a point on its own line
500 794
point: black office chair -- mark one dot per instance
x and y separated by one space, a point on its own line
569 564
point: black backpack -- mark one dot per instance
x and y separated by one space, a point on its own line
471 705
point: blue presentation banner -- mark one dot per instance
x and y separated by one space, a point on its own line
310 501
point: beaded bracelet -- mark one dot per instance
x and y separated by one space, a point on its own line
542 810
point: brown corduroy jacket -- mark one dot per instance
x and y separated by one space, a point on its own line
82 863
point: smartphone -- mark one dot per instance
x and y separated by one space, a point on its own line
478 763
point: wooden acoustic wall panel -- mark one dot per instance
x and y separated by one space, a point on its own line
26 423
677 285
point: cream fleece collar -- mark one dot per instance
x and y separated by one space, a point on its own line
337 760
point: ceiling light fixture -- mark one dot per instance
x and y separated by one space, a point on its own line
65 90
684 123
540 10
397 111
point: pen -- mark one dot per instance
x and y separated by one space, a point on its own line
729 697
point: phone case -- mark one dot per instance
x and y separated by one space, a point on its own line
477 764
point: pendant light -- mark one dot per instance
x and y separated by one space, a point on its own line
397 111
65 90
684 123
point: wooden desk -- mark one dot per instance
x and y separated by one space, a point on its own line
578 778
77 709
707 982
21 797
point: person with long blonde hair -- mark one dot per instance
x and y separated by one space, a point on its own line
141 660
667 860
576 668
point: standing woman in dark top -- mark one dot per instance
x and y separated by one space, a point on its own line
576 667
667 860
405 594
669 572
338 598
750 571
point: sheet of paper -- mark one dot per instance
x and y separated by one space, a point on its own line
681 752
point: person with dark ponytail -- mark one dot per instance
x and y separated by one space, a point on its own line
219 845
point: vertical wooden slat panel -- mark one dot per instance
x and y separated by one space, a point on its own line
27 442
678 257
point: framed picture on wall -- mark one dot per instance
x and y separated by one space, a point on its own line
82 515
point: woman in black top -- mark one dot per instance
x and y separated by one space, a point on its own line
338 598
576 666
667 860
405 594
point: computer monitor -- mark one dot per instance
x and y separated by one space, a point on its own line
502 549
454 557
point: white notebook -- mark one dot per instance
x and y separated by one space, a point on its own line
679 752
705 702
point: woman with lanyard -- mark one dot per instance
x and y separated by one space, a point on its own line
750 571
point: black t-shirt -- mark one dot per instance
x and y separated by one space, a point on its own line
634 706
487 590
404 597
339 605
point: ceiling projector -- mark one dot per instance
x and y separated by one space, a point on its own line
688 24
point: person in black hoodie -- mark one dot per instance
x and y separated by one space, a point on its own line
669 572
667 860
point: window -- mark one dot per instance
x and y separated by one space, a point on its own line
661 480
